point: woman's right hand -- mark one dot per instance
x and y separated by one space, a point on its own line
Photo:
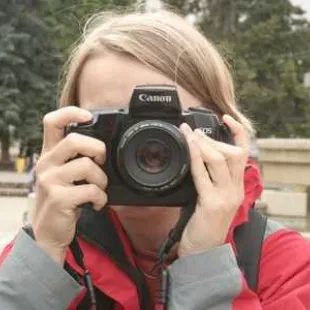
57 198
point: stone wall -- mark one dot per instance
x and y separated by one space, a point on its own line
285 165
285 161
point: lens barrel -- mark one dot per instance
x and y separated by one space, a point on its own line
153 156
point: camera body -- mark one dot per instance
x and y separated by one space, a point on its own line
147 157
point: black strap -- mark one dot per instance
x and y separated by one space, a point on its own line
98 229
103 300
176 233
249 238
173 237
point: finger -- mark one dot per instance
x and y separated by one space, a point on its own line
74 145
80 194
55 122
82 169
235 156
199 172
239 134
215 161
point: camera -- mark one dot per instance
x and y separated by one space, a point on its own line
147 157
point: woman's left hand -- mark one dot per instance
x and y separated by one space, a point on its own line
217 169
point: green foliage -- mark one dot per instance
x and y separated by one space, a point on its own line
27 71
267 44
35 36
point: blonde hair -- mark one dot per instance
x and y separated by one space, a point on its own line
164 42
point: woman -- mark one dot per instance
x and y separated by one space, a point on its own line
113 57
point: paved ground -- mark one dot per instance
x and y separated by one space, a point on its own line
8 176
11 215
11 208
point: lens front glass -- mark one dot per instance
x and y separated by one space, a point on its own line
153 156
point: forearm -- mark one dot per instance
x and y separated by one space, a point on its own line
30 279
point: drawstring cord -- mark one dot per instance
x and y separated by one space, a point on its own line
174 236
79 258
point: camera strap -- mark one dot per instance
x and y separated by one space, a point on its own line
174 236
79 258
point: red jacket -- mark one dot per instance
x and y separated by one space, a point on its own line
284 279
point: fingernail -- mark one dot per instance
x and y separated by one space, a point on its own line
87 115
185 128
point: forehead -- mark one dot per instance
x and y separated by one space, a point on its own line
109 79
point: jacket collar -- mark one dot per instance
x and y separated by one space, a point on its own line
253 188
113 266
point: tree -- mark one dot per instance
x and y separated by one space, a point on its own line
267 44
25 78
273 43
35 36
9 109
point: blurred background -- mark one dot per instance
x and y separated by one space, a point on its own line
266 43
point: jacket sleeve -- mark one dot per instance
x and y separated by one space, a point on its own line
213 281
31 280
284 270
209 280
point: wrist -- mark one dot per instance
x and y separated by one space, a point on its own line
56 254
192 251
198 248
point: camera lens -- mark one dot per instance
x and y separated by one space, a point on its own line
152 156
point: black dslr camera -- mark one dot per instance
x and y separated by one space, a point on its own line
148 161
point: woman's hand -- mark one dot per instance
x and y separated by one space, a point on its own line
217 169
57 198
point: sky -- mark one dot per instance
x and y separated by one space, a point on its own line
305 4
